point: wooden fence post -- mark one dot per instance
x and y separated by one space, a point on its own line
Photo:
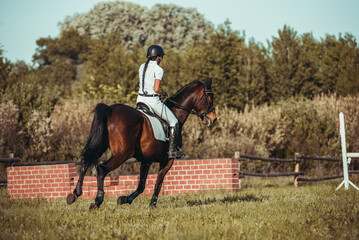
237 156
296 169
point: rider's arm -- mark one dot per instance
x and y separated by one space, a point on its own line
158 89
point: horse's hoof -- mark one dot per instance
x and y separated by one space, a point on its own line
93 206
71 198
121 200
152 206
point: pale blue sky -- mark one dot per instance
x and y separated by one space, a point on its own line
22 22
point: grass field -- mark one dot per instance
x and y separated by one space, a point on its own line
269 209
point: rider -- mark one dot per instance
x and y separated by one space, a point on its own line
151 74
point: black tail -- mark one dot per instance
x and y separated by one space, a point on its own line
97 143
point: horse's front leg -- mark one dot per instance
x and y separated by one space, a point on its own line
145 167
164 168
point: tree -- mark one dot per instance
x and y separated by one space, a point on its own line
58 59
254 78
285 63
219 57
164 24
339 65
294 65
109 64
308 83
5 68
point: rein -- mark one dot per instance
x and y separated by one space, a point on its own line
191 111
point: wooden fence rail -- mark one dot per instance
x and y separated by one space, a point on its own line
297 160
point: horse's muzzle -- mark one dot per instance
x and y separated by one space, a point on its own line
208 121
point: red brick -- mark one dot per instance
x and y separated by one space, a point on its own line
180 162
19 182
190 162
175 182
169 178
177 168
198 172
215 171
228 175
186 167
223 180
194 167
199 181
224 160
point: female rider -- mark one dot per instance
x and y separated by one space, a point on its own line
150 74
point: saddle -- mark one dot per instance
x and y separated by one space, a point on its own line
161 129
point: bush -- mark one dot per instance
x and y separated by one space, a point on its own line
31 96
10 131
297 125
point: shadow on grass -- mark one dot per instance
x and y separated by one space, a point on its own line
227 199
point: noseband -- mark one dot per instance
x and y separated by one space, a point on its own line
191 111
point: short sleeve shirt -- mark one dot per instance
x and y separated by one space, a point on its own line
153 72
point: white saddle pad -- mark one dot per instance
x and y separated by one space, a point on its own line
157 128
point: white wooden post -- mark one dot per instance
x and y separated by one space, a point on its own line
237 155
345 155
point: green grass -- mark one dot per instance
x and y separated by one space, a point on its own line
261 210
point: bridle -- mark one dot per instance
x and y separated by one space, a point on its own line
206 93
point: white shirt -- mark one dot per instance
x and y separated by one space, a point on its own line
153 72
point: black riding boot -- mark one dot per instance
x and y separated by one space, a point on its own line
174 151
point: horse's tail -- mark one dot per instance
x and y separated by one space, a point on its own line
97 142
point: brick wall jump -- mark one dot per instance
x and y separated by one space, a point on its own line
57 181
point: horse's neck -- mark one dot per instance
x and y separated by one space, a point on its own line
186 100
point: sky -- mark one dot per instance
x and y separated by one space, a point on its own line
22 22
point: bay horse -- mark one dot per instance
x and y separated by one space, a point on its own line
128 133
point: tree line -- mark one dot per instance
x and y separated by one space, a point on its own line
97 56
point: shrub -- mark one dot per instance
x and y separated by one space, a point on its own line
10 132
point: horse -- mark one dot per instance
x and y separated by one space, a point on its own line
128 133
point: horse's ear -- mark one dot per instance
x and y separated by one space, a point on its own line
208 84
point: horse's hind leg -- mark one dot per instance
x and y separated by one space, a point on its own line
164 168
145 167
71 198
102 170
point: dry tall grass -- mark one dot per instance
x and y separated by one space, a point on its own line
296 125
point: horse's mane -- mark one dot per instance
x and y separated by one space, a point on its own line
185 86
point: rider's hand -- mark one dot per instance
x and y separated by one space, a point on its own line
164 93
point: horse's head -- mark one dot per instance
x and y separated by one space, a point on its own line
204 106
195 98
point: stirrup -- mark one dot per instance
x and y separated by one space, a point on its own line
176 154
180 153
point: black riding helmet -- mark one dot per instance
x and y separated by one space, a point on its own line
154 51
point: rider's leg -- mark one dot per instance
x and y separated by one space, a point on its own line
164 112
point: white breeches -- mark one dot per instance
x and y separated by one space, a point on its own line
160 109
